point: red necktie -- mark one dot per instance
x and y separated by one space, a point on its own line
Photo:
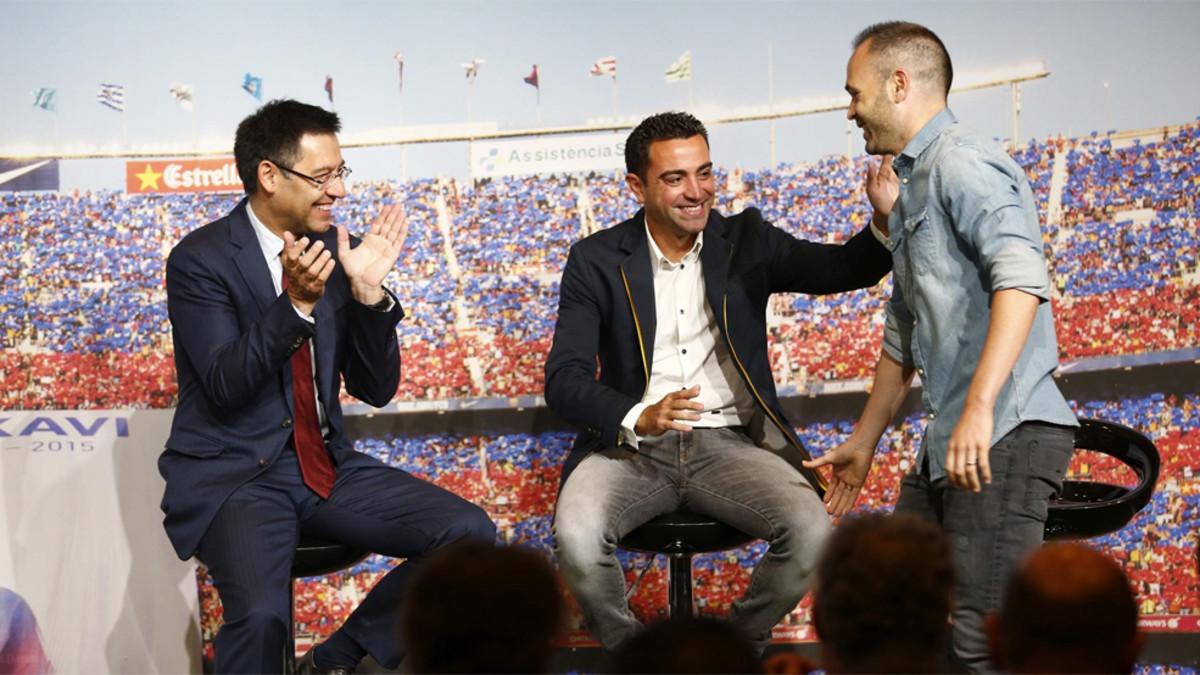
315 466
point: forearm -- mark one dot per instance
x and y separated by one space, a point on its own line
1012 316
801 266
372 361
576 396
892 381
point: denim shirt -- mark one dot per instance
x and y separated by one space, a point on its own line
964 227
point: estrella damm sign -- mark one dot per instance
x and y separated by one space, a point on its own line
182 175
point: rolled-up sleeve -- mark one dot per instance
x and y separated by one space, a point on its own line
898 329
995 215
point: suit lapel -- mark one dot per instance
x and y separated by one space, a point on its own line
249 259
714 258
323 318
639 282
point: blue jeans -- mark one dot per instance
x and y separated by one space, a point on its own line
715 472
992 531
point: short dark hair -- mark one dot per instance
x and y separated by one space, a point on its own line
1068 608
687 645
456 619
893 38
665 126
882 593
273 132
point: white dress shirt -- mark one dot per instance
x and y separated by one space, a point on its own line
272 246
688 347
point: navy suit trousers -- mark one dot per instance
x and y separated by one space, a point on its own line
249 547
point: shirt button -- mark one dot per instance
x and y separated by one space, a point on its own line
684 351
681 311
287 422
904 180
933 416
262 462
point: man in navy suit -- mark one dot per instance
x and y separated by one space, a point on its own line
670 308
271 307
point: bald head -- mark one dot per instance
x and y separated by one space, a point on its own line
912 47
1067 609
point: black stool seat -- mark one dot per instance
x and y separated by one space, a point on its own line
314 557
1091 509
681 534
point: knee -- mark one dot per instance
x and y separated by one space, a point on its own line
268 623
579 542
472 524
801 541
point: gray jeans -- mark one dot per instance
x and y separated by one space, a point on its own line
992 531
716 472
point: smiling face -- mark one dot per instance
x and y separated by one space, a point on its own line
871 107
299 206
678 188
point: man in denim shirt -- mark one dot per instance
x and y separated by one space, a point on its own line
970 314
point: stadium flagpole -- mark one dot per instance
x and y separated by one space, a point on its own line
470 93
398 57
614 89
771 97
1016 114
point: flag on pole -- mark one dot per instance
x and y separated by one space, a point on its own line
253 86
681 69
329 88
45 98
604 66
472 68
182 93
532 78
111 95
400 66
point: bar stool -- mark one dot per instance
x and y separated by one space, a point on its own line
1091 509
680 535
314 557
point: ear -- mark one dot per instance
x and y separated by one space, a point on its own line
900 85
636 186
268 177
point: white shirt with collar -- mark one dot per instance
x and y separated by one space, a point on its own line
272 246
688 347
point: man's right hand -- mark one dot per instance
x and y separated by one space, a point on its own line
665 415
851 462
307 268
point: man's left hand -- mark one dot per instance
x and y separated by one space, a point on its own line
368 264
883 188
967 463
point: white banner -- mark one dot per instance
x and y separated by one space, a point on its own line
548 154
82 546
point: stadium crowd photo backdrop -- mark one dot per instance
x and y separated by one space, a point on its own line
87 383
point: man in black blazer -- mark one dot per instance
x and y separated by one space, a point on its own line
271 307
660 357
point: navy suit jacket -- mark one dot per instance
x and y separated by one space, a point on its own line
233 339
606 319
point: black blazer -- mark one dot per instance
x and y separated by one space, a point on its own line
233 339
606 319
